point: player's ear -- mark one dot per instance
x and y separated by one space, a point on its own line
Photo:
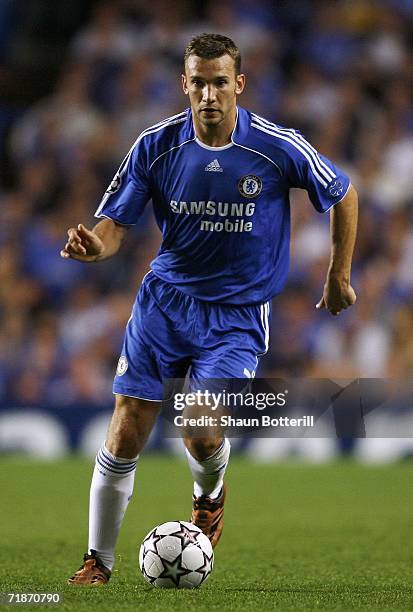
239 83
184 84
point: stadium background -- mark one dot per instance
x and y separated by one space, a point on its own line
79 80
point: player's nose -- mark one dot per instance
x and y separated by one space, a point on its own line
208 93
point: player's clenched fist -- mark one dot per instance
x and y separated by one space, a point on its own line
82 244
337 296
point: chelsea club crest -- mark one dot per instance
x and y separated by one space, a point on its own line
122 365
250 185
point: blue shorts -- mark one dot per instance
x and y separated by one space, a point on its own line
170 332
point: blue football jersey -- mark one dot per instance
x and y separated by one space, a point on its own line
224 212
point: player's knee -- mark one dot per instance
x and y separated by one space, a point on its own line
128 404
137 412
202 448
130 426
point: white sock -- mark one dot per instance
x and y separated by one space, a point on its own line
209 473
110 492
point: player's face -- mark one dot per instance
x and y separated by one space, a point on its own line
212 87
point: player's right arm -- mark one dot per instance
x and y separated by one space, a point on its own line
120 208
101 242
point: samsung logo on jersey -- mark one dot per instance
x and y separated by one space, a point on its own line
222 209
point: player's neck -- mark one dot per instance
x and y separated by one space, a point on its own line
216 135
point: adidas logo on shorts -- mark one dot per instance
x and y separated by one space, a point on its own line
213 167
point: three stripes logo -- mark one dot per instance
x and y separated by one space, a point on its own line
213 167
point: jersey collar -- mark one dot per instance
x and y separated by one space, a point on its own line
242 124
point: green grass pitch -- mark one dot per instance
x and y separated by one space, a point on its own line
297 537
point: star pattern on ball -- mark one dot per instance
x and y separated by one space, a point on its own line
186 535
151 542
206 568
149 578
174 570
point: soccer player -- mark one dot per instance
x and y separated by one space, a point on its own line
219 178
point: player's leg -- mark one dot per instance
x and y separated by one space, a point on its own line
208 460
234 339
139 375
112 484
207 451
114 473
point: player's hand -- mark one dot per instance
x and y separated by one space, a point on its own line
338 295
82 244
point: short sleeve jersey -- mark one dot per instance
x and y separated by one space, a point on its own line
224 212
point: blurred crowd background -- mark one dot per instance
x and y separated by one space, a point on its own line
80 79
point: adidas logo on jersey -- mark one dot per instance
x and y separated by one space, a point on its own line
213 167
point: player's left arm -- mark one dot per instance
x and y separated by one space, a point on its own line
338 293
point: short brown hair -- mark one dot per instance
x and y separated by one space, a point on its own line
210 46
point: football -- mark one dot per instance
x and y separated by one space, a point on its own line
176 555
